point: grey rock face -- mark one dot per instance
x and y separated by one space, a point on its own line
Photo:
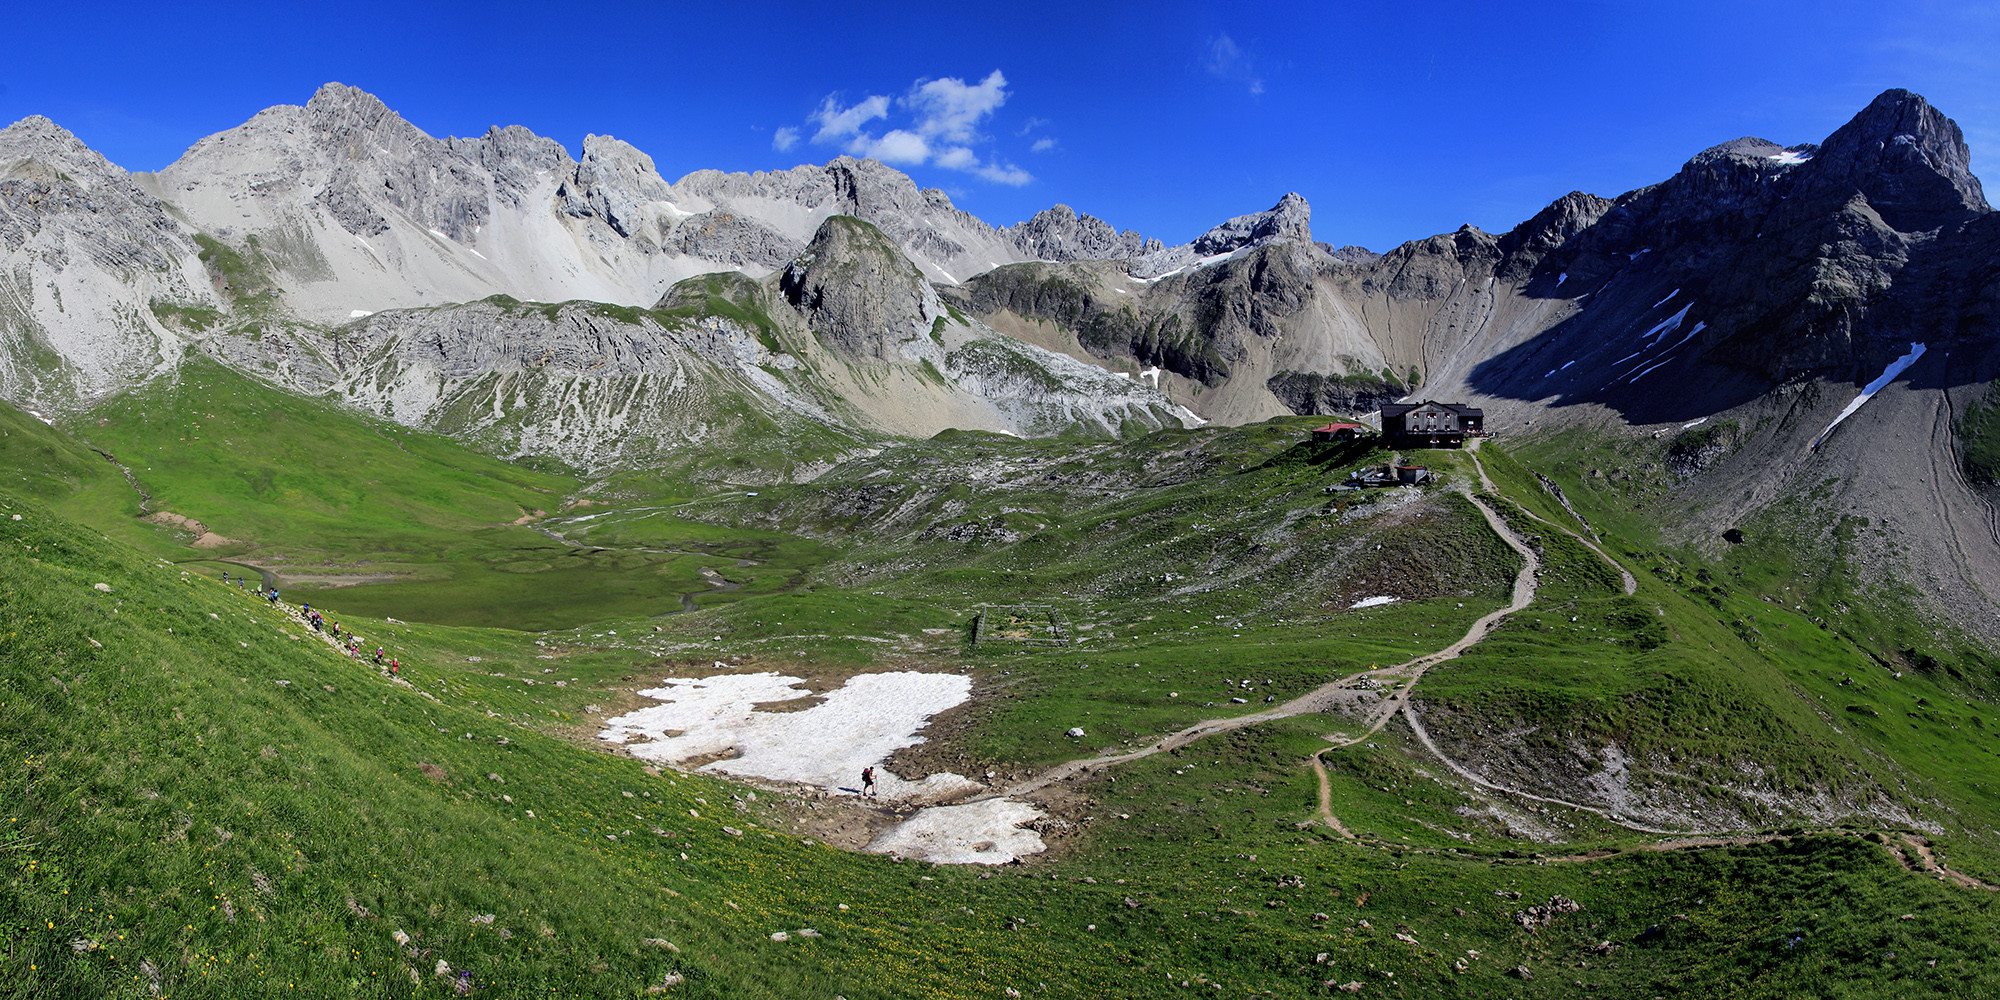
1906 157
85 252
1291 217
1316 393
858 292
1059 233
414 173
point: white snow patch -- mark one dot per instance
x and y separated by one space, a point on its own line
358 313
1791 156
1692 424
1669 298
1667 325
859 724
1896 367
37 414
987 832
1560 278
1373 602
1152 373
439 235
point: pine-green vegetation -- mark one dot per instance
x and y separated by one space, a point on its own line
201 798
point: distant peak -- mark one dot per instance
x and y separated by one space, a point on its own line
1290 217
1905 155
340 95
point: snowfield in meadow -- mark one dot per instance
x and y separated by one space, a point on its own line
857 725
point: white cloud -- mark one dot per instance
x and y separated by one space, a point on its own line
950 109
1007 174
944 116
897 146
1032 124
957 158
837 123
1042 146
1227 61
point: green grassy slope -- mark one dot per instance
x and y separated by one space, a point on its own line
201 796
195 799
322 496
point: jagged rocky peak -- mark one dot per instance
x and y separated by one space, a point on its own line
858 292
1291 217
349 117
1906 156
1552 227
36 138
1059 233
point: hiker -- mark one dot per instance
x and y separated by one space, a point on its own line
867 781
225 578
395 668
378 656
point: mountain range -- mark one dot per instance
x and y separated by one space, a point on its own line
1712 331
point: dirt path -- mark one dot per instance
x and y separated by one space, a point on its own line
1424 737
1625 576
1322 698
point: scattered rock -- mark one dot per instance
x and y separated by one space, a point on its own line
1075 733
105 587
1536 917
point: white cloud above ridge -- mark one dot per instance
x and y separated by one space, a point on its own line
944 124
949 109
836 122
1227 61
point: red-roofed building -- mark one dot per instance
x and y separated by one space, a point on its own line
1338 432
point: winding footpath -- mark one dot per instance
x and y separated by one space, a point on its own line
1403 676
1914 853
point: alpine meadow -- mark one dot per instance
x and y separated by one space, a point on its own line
454 567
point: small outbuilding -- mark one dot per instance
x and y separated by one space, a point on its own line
1339 432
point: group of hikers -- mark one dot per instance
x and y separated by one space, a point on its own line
349 643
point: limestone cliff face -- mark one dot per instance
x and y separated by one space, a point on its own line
859 293
85 252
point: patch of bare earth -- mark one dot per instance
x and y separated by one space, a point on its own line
203 538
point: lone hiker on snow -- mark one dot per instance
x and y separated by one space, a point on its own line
867 781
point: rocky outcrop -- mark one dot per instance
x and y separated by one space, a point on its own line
1314 392
1289 220
1059 233
858 293
86 254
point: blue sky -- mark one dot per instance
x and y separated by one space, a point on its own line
1396 120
